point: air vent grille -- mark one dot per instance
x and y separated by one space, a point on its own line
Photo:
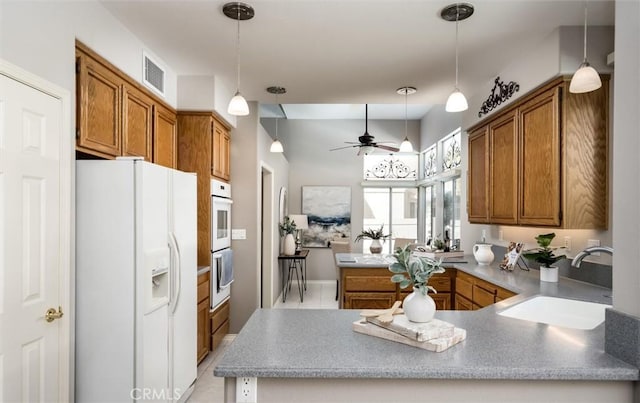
153 75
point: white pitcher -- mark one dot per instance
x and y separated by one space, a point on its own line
483 254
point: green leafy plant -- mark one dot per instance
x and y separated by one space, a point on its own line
373 234
544 254
413 270
438 244
287 226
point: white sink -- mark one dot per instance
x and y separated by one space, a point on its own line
559 312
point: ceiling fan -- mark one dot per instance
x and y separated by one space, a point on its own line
366 143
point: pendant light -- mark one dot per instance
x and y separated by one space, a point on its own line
406 146
238 11
456 12
586 78
276 146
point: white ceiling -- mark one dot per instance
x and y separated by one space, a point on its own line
349 52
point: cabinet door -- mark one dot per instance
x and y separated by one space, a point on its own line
503 191
203 329
369 300
99 99
137 123
539 159
220 162
165 139
478 176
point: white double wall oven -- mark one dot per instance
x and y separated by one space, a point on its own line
221 254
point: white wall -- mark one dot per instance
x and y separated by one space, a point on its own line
205 93
626 164
249 146
40 37
307 144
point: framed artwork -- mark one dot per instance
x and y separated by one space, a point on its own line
328 209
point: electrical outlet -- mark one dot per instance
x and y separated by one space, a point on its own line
246 390
501 235
567 243
593 242
484 235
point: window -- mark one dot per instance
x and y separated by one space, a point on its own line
394 207
442 186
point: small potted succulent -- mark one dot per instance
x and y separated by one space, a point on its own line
545 256
375 235
287 229
416 271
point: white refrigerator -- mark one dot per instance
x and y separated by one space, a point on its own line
136 276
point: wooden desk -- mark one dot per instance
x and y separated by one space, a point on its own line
290 264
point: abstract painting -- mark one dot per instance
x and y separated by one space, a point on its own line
328 209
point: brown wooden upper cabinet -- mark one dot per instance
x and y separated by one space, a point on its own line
545 160
118 117
201 138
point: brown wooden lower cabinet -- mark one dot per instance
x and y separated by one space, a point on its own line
473 293
203 316
219 324
371 288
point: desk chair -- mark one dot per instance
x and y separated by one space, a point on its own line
339 247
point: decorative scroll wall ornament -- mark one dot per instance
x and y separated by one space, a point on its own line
499 94
451 152
390 168
430 164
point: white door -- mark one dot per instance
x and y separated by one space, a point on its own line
34 242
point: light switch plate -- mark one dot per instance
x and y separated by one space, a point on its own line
238 234
593 242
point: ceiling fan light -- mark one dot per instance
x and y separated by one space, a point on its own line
366 150
456 102
276 147
585 79
238 105
406 146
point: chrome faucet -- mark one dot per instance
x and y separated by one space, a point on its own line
588 251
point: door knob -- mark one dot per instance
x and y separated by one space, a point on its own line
52 314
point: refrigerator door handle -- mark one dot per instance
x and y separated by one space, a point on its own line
176 273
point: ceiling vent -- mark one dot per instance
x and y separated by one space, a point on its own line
152 74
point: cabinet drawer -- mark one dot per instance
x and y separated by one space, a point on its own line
203 287
463 304
440 283
369 300
464 286
219 316
483 297
369 283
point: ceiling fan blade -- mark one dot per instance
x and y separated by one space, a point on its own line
342 148
388 148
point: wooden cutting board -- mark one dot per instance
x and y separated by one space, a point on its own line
434 329
436 345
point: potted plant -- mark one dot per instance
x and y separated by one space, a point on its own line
375 235
545 256
413 270
287 228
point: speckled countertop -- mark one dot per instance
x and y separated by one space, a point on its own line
320 343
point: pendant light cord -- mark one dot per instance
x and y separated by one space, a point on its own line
277 117
585 32
238 52
457 18
406 92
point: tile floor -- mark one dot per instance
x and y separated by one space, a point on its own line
210 389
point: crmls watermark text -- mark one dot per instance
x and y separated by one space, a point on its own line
155 394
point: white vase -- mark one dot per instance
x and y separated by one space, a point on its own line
289 245
419 307
483 253
376 246
549 274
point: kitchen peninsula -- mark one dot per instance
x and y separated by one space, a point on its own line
307 355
